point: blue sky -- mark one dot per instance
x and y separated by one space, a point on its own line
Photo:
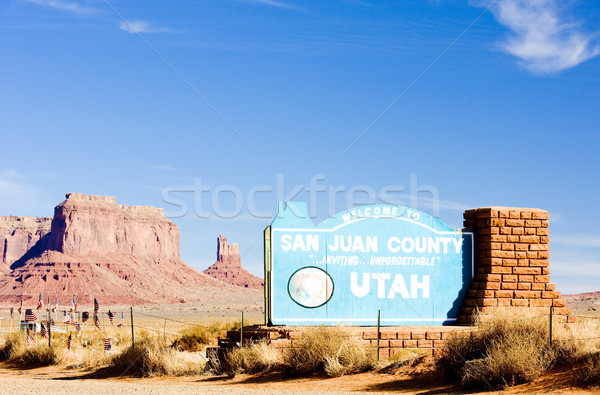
482 102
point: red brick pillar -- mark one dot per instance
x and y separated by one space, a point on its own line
512 261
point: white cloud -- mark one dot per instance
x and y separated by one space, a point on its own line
73 7
164 167
582 240
543 37
272 3
138 26
19 196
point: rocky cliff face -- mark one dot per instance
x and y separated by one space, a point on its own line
92 225
228 267
19 235
120 254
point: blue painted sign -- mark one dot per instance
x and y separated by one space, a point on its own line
413 268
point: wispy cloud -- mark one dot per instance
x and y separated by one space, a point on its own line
581 240
272 3
19 196
544 38
138 26
164 167
73 7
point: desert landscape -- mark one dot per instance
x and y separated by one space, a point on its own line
299 197
173 329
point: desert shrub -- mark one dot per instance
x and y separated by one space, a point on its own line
150 356
194 338
18 353
13 345
257 357
589 372
37 355
509 347
332 350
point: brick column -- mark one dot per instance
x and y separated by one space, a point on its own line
512 261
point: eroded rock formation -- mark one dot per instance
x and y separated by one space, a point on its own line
120 254
228 267
19 235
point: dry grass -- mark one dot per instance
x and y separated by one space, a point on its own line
512 346
589 372
194 338
259 357
331 350
39 354
150 356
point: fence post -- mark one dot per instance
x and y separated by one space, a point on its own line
550 325
378 332
49 329
132 340
242 331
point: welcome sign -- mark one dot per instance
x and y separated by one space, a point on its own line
413 268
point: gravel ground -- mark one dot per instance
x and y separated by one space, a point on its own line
18 385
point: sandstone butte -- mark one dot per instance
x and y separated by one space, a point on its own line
93 247
228 267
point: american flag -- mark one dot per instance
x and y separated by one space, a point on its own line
44 331
30 315
97 322
40 302
111 316
122 320
12 313
56 305
53 325
73 303
69 342
71 320
30 339
21 306
65 317
107 344
85 316
96 306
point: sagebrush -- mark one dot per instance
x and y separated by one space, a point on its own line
331 350
512 346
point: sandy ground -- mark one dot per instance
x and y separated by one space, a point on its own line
420 378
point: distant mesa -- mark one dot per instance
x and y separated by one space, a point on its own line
228 267
95 247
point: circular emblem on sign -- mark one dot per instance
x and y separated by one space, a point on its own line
310 287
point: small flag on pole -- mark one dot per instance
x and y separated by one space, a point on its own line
30 339
40 302
44 331
111 316
85 316
65 317
56 305
107 344
73 303
53 324
69 342
96 306
122 320
30 315
97 322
